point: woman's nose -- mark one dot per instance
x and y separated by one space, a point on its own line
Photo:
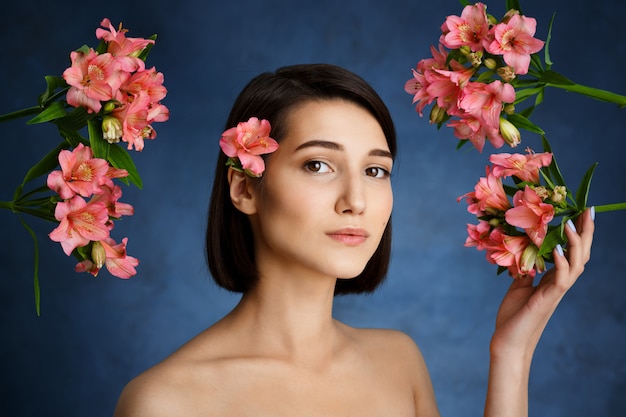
351 198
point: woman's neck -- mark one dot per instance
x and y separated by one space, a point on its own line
290 320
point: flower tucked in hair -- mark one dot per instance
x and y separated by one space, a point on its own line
243 145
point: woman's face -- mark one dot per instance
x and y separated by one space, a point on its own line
326 195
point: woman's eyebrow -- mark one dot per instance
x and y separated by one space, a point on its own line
339 147
321 143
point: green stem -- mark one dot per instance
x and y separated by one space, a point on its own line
20 113
610 207
596 93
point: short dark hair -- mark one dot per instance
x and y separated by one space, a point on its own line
271 96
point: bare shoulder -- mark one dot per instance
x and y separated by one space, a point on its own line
392 344
399 357
156 392
170 387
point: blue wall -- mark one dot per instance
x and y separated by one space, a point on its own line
97 333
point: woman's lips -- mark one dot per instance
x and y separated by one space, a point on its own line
349 236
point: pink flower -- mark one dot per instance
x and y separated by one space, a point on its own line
423 75
506 250
531 214
468 30
93 78
134 118
80 173
247 141
149 81
524 167
471 128
125 50
478 235
79 224
488 195
515 41
110 198
117 262
484 101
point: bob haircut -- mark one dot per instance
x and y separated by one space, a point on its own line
271 96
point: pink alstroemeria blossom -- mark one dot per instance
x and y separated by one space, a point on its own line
470 29
93 79
524 167
531 214
134 118
506 250
79 224
110 198
515 41
488 195
478 235
125 50
117 262
423 75
484 101
80 173
247 141
149 81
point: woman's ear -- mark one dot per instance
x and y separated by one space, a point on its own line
242 191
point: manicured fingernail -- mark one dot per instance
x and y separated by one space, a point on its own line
559 249
592 212
570 224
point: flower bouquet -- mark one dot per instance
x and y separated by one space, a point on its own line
109 92
476 80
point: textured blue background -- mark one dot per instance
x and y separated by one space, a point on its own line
96 334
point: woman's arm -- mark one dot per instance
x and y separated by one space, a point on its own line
523 315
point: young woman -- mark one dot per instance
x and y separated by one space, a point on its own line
292 230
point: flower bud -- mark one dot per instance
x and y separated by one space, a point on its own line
98 255
111 129
506 73
509 108
490 63
437 114
559 194
509 133
542 192
465 50
530 260
109 106
475 58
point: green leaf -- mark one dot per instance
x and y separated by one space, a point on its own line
99 146
523 94
552 77
554 167
546 51
513 4
72 137
521 122
535 61
56 110
36 287
553 238
52 84
120 158
583 190
144 54
76 119
46 164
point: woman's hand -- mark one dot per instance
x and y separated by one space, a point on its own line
526 309
523 315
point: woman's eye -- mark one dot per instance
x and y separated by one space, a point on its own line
317 167
377 172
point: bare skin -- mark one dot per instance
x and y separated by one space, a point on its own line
280 352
